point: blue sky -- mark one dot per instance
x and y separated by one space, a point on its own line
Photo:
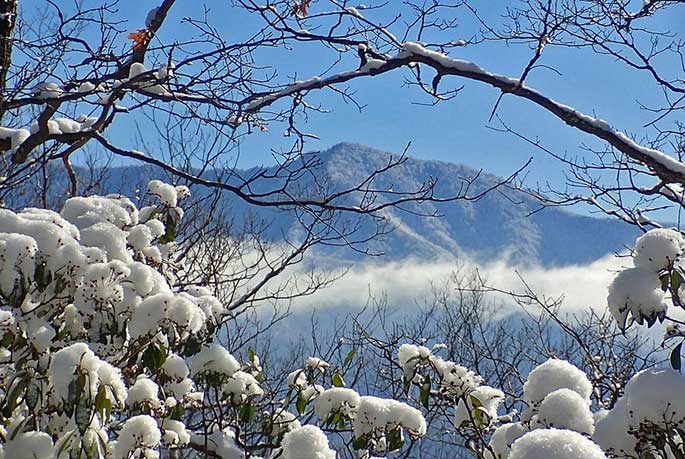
452 131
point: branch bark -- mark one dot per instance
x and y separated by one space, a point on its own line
8 15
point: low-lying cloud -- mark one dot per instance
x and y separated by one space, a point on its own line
409 282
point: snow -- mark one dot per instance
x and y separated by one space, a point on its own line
555 444
652 397
111 377
297 378
166 193
336 400
222 443
17 260
374 414
144 392
611 430
48 90
482 403
637 292
283 421
85 212
306 442
86 86
311 391
354 11
149 87
410 356
552 375
67 362
417 49
657 249
456 380
174 432
16 136
139 432
241 386
109 238
175 367
88 307
663 159
502 439
566 409
213 358
315 363
29 445
656 396
139 237
372 64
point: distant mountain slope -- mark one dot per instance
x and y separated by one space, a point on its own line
488 229
491 228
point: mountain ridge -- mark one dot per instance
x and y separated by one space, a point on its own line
497 226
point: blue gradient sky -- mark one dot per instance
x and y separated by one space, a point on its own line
453 131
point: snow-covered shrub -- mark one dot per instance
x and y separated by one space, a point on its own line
95 334
555 443
102 354
637 294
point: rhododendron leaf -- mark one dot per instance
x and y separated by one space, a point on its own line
301 404
664 278
7 340
676 362
11 400
247 412
406 385
425 391
154 357
169 231
349 356
32 394
338 380
361 442
395 439
676 281
82 414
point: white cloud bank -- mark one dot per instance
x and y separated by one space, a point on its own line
410 282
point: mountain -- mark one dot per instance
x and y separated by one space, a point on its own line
496 226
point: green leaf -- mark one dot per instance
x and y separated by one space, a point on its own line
406 385
7 340
350 355
169 231
82 414
101 401
395 439
32 394
177 412
664 278
74 393
676 280
154 357
360 442
676 362
338 380
341 423
475 402
301 404
13 396
481 416
247 412
425 391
